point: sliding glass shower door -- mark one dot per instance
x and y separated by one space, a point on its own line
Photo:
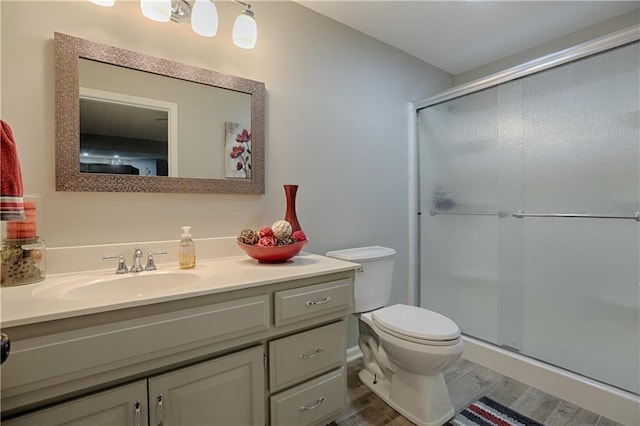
506 175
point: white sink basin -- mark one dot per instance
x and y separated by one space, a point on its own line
111 287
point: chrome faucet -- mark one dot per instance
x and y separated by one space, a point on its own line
137 262
122 265
151 265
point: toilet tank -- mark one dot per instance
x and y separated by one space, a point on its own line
372 286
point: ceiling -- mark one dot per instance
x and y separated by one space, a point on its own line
458 36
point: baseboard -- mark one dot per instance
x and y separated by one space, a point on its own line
618 405
353 353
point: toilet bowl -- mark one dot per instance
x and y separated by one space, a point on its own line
405 348
417 340
409 370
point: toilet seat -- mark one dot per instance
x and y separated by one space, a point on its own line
417 325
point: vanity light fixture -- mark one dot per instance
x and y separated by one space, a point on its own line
203 16
105 3
245 32
157 10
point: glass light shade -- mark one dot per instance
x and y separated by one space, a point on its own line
245 32
156 10
204 18
105 3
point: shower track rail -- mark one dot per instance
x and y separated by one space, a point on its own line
499 214
520 215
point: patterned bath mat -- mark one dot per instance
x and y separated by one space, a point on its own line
487 412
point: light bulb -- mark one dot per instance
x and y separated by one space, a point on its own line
105 3
204 18
156 10
245 32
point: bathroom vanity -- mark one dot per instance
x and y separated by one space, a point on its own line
243 343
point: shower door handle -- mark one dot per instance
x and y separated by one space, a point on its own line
520 214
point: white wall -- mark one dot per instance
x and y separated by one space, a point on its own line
335 124
601 29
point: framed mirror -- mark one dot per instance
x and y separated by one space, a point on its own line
130 122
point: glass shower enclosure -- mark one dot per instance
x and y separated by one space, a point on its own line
529 227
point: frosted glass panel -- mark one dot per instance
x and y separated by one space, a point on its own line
581 151
562 290
581 136
459 169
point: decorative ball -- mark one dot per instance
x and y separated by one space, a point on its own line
283 241
36 255
248 236
265 231
267 242
11 252
299 236
281 228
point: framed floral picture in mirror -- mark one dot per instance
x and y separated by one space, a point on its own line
237 150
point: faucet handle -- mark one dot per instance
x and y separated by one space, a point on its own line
122 265
151 266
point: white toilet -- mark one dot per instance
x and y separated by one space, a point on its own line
405 348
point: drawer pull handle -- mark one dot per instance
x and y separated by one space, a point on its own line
136 407
312 406
318 302
159 399
311 354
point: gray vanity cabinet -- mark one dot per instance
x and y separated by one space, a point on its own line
225 391
124 406
298 396
270 354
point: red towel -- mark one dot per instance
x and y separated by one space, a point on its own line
11 195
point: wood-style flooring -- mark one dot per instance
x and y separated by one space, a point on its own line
467 382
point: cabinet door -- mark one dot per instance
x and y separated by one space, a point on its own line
225 391
124 405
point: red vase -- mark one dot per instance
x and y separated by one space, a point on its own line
290 214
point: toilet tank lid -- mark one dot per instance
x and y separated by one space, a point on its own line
362 254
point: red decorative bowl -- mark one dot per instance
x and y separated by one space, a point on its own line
275 254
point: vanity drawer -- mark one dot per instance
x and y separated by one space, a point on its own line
312 301
126 343
318 401
303 355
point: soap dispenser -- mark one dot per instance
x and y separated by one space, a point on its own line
187 250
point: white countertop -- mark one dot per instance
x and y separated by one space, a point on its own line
24 305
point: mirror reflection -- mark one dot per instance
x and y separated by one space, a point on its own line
133 140
135 122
